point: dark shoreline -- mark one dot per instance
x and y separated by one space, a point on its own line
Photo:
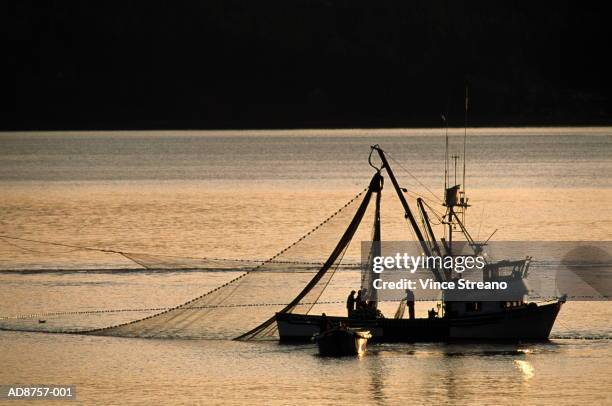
172 126
305 64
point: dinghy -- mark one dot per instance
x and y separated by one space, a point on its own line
338 342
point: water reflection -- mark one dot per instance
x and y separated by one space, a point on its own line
526 369
378 374
450 371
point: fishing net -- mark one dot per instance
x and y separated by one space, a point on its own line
244 307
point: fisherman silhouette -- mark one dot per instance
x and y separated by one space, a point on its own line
324 323
358 300
410 303
350 303
364 300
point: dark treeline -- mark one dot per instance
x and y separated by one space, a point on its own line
303 63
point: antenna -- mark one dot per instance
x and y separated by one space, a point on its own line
465 136
445 153
455 158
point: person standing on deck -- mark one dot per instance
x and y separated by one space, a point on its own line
410 303
350 303
364 301
358 300
324 323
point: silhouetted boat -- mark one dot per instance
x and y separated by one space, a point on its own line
525 323
339 342
458 317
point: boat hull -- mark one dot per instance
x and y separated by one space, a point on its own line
338 343
531 323
526 324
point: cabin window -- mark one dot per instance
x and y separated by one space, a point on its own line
473 306
508 305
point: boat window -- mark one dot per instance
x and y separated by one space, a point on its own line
511 304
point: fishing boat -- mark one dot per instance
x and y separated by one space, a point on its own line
278 298
338 342
458 318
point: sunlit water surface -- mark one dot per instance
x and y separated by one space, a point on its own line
247 195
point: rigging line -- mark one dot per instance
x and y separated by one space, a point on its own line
416 195
480 225
125 255
221 259
273 261
439 216
77 247
5 238
415 240
6 241
333 273
563 324
414 177
128 254
204 307
124 252
78 312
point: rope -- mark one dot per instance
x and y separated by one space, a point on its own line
315 302
34 251
415 178
129 255
439 217
77 247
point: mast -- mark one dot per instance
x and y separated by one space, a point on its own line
455 199
407 212
376 238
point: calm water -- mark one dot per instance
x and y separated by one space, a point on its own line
247 195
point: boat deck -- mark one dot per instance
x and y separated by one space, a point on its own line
529 323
